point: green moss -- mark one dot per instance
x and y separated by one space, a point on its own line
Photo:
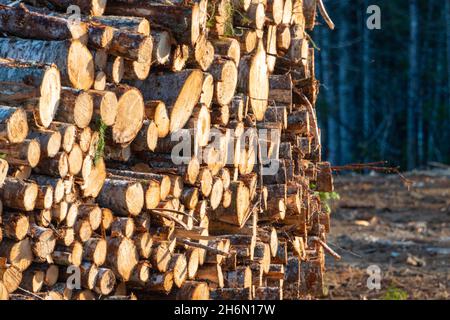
394 293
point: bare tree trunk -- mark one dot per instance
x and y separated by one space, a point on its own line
333 133
413 86
343 89
367 78
447 19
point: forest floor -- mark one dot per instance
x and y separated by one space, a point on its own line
406 233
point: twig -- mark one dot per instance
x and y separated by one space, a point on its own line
314 120
375 166
202 246
168 216
326 248
30 293
325 16
175 211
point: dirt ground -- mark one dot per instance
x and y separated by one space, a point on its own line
406 233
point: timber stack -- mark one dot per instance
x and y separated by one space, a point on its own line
94 181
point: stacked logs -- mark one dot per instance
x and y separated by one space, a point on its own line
95 183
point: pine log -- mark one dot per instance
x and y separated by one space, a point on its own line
122 226
123 197
159 282
202 55
248 40
254 17
179 57
275 11
130 24
147 138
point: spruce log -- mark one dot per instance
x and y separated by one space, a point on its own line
122 257
178 266
24 23
56 184
225 76
33 280
193 290
228 47
185 22
66 256
88 7
13 124
73 59
181 90
237 211
130 24
130 114
43 241
15 225
123 197
19 194
18 254
58 166
131 46
161 46
75 107
156 110
68 133
11 277
36 87
231 293
49 140
27 153
105 281
253 80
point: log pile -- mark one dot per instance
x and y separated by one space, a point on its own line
95 183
